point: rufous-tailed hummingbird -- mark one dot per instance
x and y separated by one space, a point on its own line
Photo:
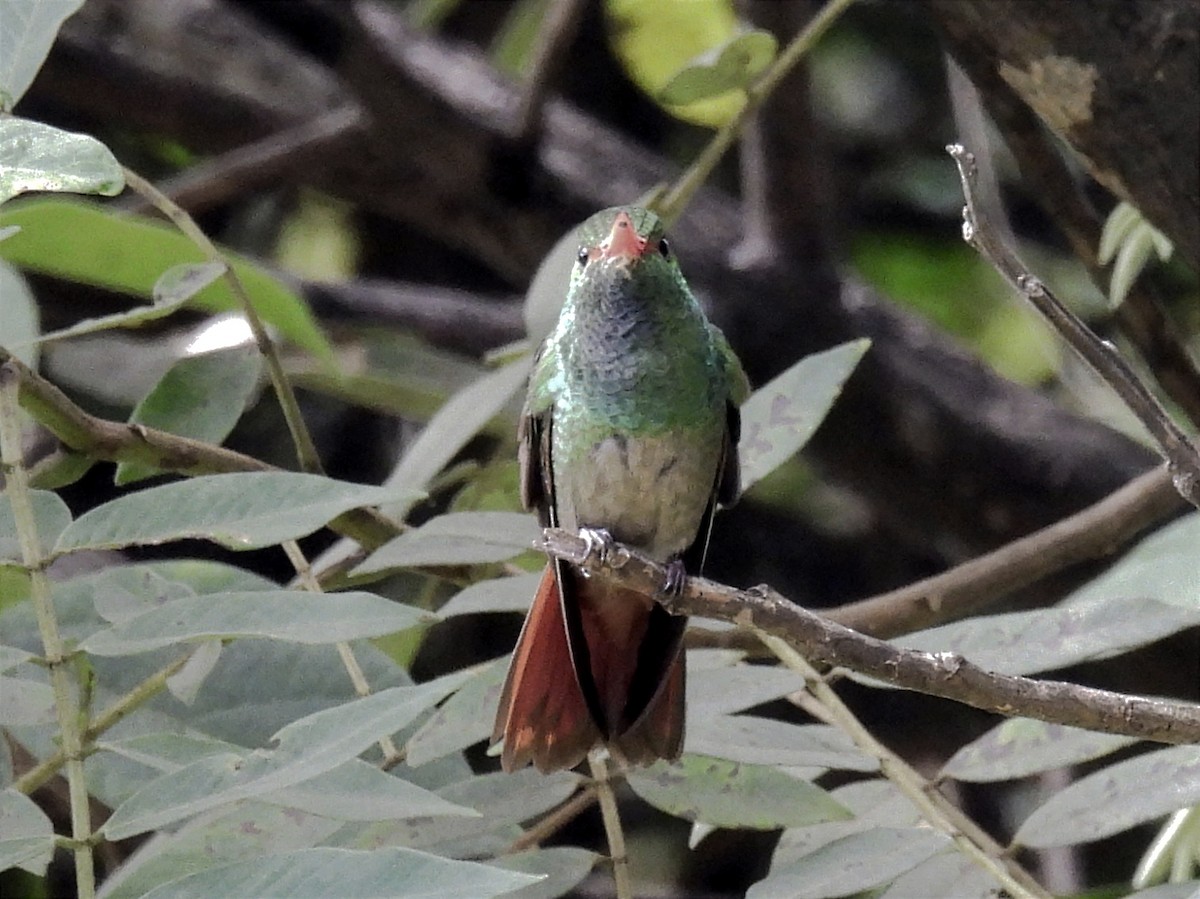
629 433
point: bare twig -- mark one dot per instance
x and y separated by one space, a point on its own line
944 674
598 761
1183 457
555 820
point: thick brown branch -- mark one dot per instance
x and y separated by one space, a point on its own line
947 675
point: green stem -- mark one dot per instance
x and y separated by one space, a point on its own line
937 811
66 705
306 450
671 204
611 816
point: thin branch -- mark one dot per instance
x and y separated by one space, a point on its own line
306 450
1182 456
557 30
67 706
555 820
120 442
1097 531
943 674
971 840
611 815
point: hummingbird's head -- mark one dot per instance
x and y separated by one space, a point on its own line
625 242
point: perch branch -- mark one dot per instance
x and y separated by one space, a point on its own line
944 674
1183 458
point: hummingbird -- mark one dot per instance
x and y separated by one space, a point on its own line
629 433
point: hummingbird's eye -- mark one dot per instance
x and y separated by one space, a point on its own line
664 248
583 256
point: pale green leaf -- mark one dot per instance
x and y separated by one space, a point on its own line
11 657
1162 566
462 720
455 423
457 538
1116 798
185 683
26 834
27 30
132 318
723 691
39 157
781 416
244 510
201 397
293 615
859 861
735 65
762 741
563 867
1047 639
1123 219
503 594
729 794
25 701
50 516
323 872
1019 747
78 241
360 791
306 748
947 875
184 281
245 830
20 323
548 288
1131 260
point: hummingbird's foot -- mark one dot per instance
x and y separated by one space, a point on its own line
676 578
598 542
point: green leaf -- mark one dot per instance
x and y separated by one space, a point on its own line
244 510
132 318
455 423
851 864
26 834
27 29
1161 567
503 594
723 691
728 794
185 683
11 657
323 872
77 241
306 748
293 615
1123 219
1116 798
246 830
947 875
457 538
564 868
20 323
25 701
38 157
762 741
1131 259
735 65
1020 747
50 516
201 397
1046 639
781 416
462 720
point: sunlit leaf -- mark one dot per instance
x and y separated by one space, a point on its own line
1116 798
734 65
729 794
37 157
322 872
78 241
27 30
781 416
1160 567
201 397
244 510
20 323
